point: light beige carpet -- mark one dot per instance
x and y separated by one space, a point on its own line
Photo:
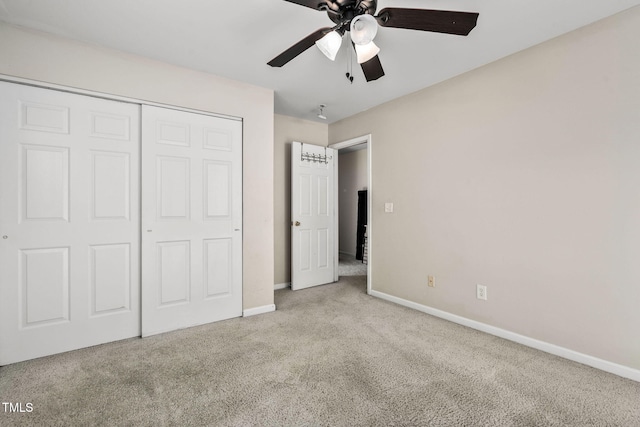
348 265
329 356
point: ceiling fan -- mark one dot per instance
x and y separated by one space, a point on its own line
357 17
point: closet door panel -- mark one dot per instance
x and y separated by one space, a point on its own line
192 219
69 221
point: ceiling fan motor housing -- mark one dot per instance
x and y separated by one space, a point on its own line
343 11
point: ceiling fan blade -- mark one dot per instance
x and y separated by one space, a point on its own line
372 69
299 47
313 4
439 21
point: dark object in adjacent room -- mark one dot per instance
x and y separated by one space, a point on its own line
362 221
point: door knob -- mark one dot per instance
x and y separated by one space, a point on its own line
297 224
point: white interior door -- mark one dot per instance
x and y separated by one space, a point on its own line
69 221
192 219
312 215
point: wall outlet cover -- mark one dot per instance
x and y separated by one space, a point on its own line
481 292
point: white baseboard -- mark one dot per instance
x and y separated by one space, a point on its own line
348 253
585 359
258 310
281 286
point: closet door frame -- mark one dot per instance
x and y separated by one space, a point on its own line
140 104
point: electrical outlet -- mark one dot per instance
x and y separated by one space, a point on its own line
432 281
481 292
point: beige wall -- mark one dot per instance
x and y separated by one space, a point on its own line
523 176
288 129
37 56
352 177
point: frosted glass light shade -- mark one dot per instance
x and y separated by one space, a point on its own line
330 44
363 29
366 52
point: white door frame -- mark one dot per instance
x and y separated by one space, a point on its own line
364 139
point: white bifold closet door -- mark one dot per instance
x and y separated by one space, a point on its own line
69 221
192 219
74 269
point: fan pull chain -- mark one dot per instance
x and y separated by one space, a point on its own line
350 67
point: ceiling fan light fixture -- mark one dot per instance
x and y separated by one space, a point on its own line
363 29
330 44
366 52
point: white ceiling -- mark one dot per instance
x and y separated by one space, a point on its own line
237 38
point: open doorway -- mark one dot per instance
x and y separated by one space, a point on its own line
353 198
353 188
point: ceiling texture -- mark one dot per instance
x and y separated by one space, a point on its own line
236 39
